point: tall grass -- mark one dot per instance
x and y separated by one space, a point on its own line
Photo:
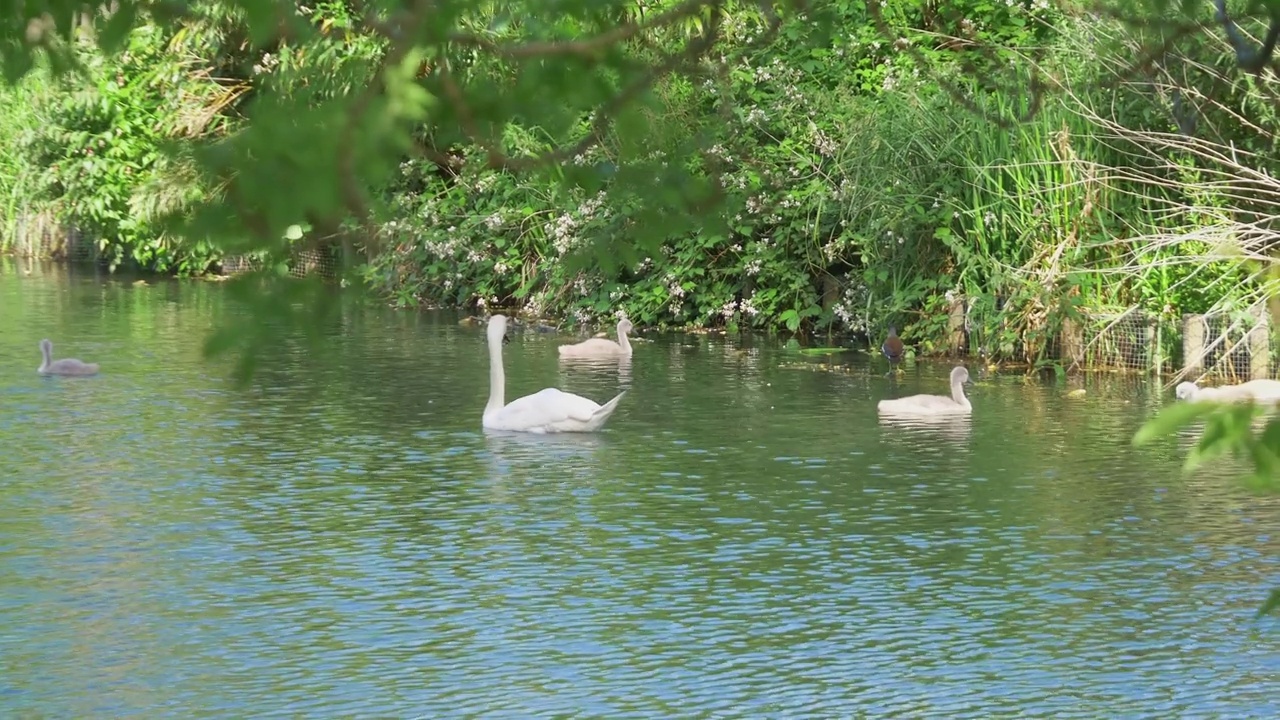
999 217
1036 196
19 119
1093 204
1206 202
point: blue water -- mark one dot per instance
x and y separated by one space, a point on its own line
746 538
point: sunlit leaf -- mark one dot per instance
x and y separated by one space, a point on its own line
118 26
1172 418
17 61
1214 441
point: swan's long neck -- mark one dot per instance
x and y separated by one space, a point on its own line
957 393
46 352
623 342
496 377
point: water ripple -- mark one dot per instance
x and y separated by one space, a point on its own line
341 539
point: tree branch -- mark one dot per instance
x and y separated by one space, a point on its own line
693 50
463 110
1250 59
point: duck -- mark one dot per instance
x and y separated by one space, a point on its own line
892 346
65 366
957 404
1257 391
547 411
601 347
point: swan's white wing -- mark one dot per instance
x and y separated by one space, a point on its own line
594 347
543 411
920 403
71 366
1262 390
1257 391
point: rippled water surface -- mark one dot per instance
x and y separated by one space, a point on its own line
746 539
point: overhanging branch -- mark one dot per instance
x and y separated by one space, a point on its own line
1247 57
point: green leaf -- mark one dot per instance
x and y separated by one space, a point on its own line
1215 440
529 284
221 340
406 99
1273 602
17 61
118 27
1170 419
263 20
1271 433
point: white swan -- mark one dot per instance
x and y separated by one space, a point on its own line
65 366
933 404
1258 391
601 347
546 411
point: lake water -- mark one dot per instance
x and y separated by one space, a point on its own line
746 538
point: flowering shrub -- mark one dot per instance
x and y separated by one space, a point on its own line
829 193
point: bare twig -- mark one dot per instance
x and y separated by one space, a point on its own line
1248 58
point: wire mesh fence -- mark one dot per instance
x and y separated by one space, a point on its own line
1233 345
1228 345
43 237
236 264
324 261
1127 339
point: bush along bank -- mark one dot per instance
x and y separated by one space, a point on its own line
829 159
857 192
